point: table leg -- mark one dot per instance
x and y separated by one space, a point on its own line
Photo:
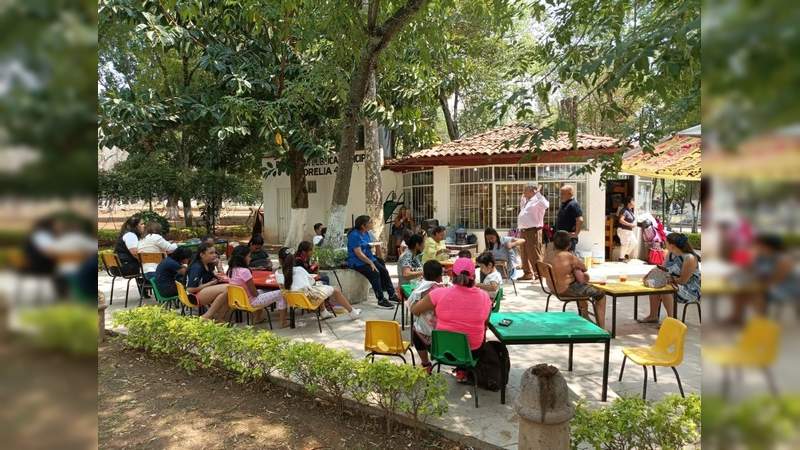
674 306
569 367
503 395
613 316
605 371
403 315
635 307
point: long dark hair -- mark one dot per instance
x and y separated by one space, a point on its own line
304 246
493 232
286 258
131 225
682 242
463 279
361 221
200 250
238 257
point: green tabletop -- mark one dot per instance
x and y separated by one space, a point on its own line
407 290
544 326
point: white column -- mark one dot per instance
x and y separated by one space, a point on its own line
441 194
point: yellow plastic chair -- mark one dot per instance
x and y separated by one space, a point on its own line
186 303
667 351
757 348
113 268
383 338
299 300
238 300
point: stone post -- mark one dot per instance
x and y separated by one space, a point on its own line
544 409
101 317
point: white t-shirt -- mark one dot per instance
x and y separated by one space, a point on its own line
131 240
69 244
317 239
493 277
154 243
300 279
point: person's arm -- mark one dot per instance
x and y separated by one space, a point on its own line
543 203
132 243
408 273
687 269
625 222
577 263
514 243
578 225
424 305
360 255
194 290
251 288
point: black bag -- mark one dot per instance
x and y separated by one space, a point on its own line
493 366
472 239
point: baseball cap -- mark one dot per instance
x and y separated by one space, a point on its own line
464 265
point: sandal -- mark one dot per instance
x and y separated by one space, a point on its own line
647 321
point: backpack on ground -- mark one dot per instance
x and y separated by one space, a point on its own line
493 366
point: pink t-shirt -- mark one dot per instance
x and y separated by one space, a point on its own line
240 276
462 310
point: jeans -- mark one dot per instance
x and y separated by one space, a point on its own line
380 280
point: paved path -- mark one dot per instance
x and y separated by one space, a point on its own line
493 422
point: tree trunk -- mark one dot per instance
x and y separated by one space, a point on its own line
452 128
187 210
378 37
172 208
455 109
299 190
373 160
694 206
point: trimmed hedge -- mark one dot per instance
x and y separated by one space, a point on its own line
70 328
694 240
254 354
633 423
759 422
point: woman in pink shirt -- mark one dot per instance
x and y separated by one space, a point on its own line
239 274
461 308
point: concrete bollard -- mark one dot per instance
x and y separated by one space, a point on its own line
101 317
544 409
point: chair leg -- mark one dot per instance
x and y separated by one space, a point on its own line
403 358
655 379
699 313
547 305
413 363
678 377
644 385
474 386
565 307
319 321
368 355
622 369
111 300
773 388
269 318
683 315
127 290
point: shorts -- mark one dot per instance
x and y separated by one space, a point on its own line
419 342
576 289
319 293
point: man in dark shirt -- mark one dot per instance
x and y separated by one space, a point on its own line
570 215
259 259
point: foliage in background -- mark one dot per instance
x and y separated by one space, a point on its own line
67 327
330 258
762 422
253 355
694 240
632 423
150 216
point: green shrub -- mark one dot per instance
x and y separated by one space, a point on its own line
694 240
12 237
107 238
149 216
330 258
70 328
238 231
253 354
633 423
761 422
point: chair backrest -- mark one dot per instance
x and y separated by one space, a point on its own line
183 296
545 272
671 339
297 299
159 297
383 335
17 259
151 258
760 339
451 348
238 298
109 259
498 297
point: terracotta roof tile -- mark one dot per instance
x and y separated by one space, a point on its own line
491 143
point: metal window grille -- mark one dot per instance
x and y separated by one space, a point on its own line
418 189
471 197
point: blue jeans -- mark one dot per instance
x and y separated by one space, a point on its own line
380 280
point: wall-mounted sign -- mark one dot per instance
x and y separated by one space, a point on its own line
327 166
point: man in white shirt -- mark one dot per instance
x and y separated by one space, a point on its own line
319 234
532 206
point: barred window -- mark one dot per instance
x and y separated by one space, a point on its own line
418 190
508 196
471 197
552 178
515 173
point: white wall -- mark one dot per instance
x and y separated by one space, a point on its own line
319 202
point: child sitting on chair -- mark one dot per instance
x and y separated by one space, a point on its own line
565 265
465 254
426 322
490 277
239 274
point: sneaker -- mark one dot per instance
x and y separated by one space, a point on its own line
385 304
354 314
325 314
394 299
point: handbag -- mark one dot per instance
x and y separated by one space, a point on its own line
656 256
656 278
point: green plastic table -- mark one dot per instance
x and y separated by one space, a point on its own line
550 328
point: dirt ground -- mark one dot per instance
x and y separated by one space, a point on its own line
148 402
48 400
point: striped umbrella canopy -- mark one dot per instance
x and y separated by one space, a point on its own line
675 158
